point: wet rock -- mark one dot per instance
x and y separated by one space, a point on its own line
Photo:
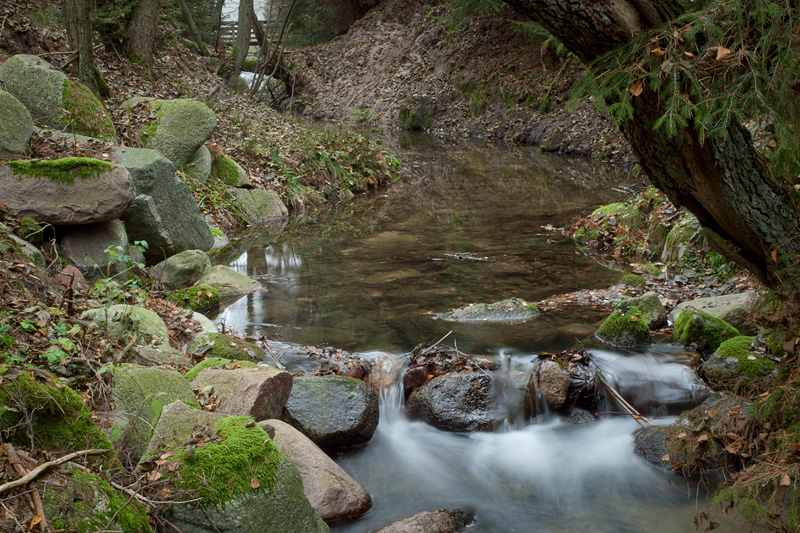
510 310
414 377
702 330
652 445
625 327
653 311
580 417
333 411
259 392
552 381
440 521
331 492
461 401
734 309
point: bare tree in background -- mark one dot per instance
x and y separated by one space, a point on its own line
143 29
242 41
77 15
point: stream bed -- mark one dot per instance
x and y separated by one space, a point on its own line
473 222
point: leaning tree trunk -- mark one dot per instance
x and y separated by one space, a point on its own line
198 39
242 41
143 29
77 15
752 217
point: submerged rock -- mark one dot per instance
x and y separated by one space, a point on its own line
439 521
510 310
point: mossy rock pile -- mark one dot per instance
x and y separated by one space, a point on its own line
626 327
702 330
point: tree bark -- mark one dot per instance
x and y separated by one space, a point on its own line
198 39
725 182
77 15
143 29
242 41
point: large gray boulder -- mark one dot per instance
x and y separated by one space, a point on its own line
247 486
15 128
228 282
181 270
85 247
260 206
164 212
139 395
55 100
333 411
181 127
66 191
734 309
439 521
259 392
331 492
460 401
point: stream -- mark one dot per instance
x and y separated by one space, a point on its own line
473 222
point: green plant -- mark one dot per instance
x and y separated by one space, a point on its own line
109 291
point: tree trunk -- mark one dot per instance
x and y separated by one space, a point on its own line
725 182
143 29
198 39
77 15
242 41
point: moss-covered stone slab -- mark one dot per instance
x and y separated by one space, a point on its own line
331 492
38 410
139 395
122 318
164 212
734 364
261 206
73 190
197 298
259 392
333 411
702 330
225 347
509 310
181 270
735 309
55 100
15 128
244 483
85 247
228 282
82 502
217 362
653 311
231 173
180 128
626 327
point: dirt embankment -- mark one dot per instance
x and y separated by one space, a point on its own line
414 65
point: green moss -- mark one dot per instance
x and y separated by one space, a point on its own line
682 232
216 232
106 508
136 59
85 113
47 411
633 280
31 231
196 298
739 348
102 85
227 171
706 331
221 471
216 362
651 269
774 338
625 327
607 210
63 170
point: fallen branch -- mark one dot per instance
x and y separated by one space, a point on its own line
277 361
36 472
628 408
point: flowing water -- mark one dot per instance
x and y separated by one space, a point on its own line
473 223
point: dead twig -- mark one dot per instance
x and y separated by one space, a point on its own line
36 472
277 361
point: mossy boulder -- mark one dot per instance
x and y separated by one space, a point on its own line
260 206
633 280
231 173
626 327
179 129
82 502
61 192
225 347
37 409
733 363
16 127
735 309
164 212
123 318
228 282
199 166
702 330
245 485
55 100
680 238
653 312
217 362
181 270
333 411
259 392
509 310
197 298
139 395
